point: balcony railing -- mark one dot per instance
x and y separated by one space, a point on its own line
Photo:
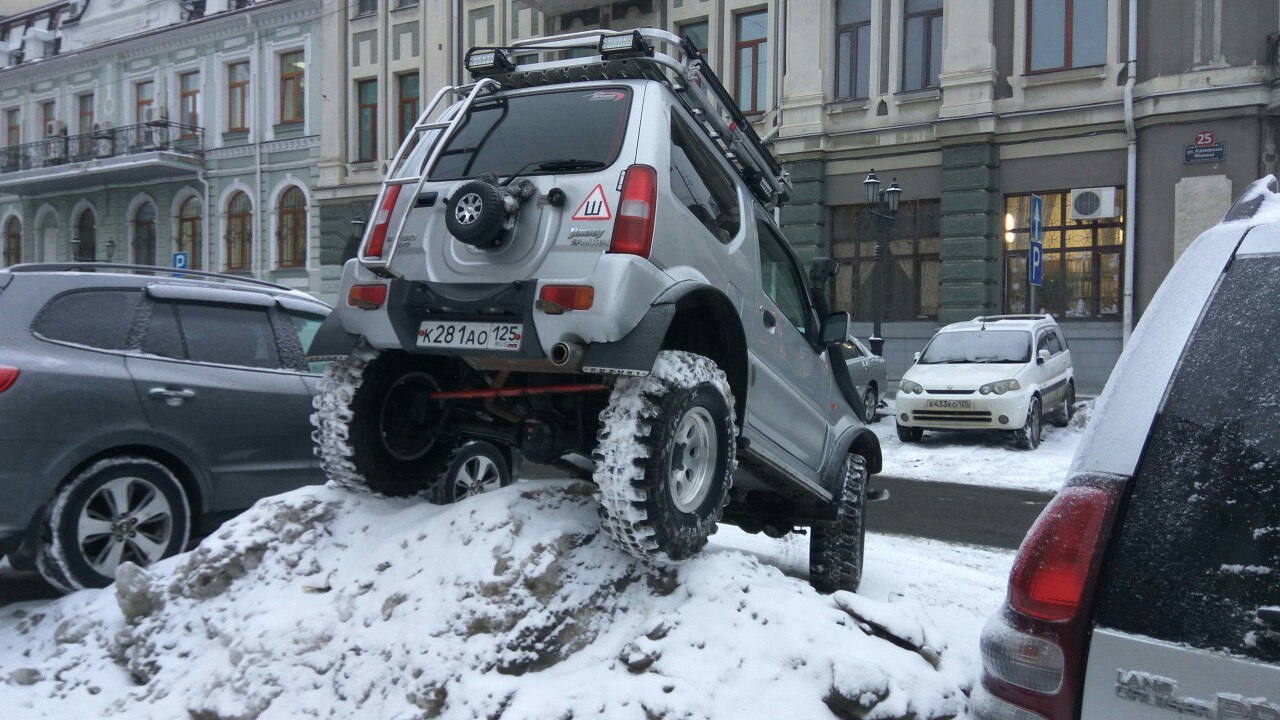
148 137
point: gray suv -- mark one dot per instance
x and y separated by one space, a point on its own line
580 258
1150 585
138 408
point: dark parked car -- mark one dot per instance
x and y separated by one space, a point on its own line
1150 585
138 407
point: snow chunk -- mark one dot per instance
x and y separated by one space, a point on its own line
512 604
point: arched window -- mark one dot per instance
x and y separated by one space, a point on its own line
189 230
239 232
12 242
86 237
291 231
144 234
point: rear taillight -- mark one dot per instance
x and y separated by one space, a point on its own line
568 297
633 228
367 297
1033 649
378 234
7 377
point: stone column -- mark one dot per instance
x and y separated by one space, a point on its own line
804 216
969 272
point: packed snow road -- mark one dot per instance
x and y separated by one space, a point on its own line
324 603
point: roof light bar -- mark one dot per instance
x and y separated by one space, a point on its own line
492 61
624 44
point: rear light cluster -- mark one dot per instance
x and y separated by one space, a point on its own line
633 229
1033 648
378 234
567 297
367 297
7 377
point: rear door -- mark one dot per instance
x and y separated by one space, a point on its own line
210 376
1186 612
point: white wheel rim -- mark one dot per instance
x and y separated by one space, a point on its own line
468 208
694 455
128 518
476 475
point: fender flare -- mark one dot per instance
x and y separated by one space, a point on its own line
635 353
859 439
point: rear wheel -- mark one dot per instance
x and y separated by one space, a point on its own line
1028 437
836 551
665 457
909 434
376 426
477 467
870 402
129 509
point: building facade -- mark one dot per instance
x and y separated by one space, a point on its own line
163 132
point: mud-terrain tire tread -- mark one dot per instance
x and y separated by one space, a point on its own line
635 506
836 551
339 436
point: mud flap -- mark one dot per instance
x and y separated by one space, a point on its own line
635 353
332 341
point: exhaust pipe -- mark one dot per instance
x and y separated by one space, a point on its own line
566 355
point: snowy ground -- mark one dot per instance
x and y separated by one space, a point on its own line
978 458
321 603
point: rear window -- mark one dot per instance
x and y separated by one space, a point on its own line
96 318
1199 549
978 346
508 135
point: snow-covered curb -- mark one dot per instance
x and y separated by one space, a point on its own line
324 603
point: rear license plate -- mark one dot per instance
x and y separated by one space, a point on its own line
950 404
470 335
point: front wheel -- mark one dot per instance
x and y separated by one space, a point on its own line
128 509
908 434
1068 409
836 551
665 457
1028 437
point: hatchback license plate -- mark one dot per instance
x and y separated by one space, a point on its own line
951 404
470 335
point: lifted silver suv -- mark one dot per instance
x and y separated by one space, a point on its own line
579 258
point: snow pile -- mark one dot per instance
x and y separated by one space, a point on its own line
324 603
982 458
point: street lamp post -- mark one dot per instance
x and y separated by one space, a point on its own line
884 205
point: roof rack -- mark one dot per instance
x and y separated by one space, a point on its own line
151 269
997 318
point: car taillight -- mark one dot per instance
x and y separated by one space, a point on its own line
633 228
378 235
7 376
568 297
367 297
1033 649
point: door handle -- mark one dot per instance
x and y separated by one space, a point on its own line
769 319
171 396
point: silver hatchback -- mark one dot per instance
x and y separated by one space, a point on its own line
137 408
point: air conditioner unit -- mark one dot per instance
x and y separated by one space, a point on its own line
1092 203
54 128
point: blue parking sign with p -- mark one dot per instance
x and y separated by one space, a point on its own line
1035 265
181 260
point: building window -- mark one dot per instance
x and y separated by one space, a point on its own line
751 53
1082 261
237 96
239 232
408 102
366 7
291 230
292 87
85 241
910 261
367 120
480 27
144 235
922 45
1065 34
697 33
13 131
189 231
144 97
85 121
12 242
188 104
853 49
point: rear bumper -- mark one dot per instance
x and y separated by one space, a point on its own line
964 412
24 488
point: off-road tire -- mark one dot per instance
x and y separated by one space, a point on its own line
636 448
836 551
471 457
487 226
908 434
348 436
1028 436
1062 417
60 557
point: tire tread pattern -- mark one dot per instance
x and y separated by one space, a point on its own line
836 551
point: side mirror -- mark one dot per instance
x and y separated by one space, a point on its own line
917 358
1042 357
835 329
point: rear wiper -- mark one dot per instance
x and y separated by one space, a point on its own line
554 165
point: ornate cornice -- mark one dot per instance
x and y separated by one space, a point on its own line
235 151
